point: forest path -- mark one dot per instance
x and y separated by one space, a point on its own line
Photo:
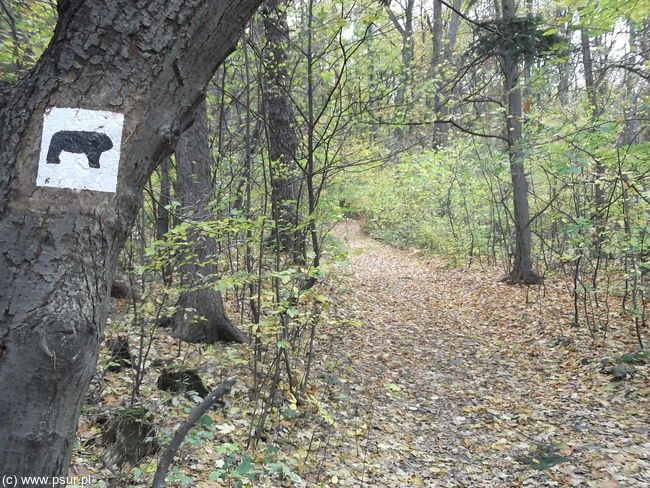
448 378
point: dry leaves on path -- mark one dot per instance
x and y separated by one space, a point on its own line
450 378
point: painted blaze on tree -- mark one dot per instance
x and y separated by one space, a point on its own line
80 149
92 144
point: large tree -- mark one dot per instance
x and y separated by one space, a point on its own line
200 316
149 61
280 126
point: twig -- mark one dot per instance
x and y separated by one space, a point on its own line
194 416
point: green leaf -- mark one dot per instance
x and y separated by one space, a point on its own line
207 420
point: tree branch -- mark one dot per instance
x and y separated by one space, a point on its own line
194 416
465 17
395 21
441 121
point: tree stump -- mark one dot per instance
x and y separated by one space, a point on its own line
130 435
181 381
120 354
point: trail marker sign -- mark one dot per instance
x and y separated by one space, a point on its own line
80 149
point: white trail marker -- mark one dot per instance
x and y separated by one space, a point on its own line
80 149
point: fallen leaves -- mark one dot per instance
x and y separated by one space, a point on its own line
461 382
423 376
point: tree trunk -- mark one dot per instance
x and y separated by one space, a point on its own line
563 67
632 123
408 47
150 62
452 33
280 127
588 65
436 38
406 32
201 316
372 86
441 131
162 214
529 58
594 111
522 269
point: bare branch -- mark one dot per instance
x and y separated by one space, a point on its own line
194 416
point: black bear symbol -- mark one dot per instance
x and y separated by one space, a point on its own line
92 144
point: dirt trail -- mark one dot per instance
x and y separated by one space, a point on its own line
448 378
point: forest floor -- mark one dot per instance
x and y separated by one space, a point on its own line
451 378
425 376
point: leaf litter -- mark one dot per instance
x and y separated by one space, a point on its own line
424 376
456 379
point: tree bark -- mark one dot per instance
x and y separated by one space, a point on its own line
633 132
441 130
436 41
149 61
162 214
182 431
436 37
563 67
194 192
595 112
522 268
454 24
280 127
587 63
406 31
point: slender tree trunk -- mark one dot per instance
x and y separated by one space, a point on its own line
595 111
406 31
436 38
372 78
150 62
201 316
529 58
588 65
311 143
441 131
452 33
522 268
408 48
564 83
162 214
632 124
280 127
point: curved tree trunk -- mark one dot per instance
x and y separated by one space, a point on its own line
150 61
280 124
200 316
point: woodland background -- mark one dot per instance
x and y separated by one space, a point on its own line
503 138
